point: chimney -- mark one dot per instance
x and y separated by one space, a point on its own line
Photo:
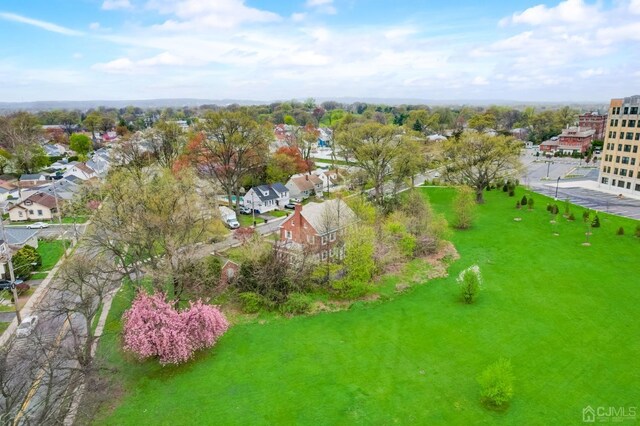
297 208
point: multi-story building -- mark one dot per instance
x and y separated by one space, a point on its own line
620 159
575 139
596 122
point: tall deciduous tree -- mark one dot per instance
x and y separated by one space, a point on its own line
375 147
464 208
234 147
167 141
80 143
478 160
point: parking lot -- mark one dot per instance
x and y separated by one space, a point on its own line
576 180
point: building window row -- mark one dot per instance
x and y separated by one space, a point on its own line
629 110
615 110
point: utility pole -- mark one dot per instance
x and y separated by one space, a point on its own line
64 232
11 273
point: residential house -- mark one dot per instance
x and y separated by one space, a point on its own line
32 179
99 164
80 170
20 237
303 186
330 178
228 272
38 206
265 198
64 189
54 150
316 229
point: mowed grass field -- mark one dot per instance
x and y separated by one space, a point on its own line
566 315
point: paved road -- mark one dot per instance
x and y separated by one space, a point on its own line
536 174
55 231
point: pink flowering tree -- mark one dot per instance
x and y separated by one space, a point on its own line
153 328
203 324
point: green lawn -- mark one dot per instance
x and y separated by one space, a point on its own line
565 314
51 252
4 326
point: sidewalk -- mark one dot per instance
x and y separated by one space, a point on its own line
593 186
34 299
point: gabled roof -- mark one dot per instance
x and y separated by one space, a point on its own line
19 236
328 216
39 198
272 192
35 176
305 182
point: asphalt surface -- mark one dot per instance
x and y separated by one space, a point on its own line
43 378
541 175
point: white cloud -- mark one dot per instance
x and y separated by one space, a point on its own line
40 24
298 16
634 7
322 6
192 14
566 12
94 26
141 66
116 4
592 72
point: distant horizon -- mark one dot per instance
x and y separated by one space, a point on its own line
533 51
197 102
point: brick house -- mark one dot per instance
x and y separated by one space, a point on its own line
316 229
575 139
596 122
228 272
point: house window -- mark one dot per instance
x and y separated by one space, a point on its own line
20 214
620 184
637 186
632 123
39 212
324 254
605 180
634 110
30 211
624 123
310 239
625 160
629 136
628 185
626 110
323 240
287 235
332 236
331 253
615 171
623 172
617 158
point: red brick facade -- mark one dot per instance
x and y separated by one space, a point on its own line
595 121
300 231
575 139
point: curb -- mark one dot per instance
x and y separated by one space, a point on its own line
35 298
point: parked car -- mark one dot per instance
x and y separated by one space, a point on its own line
245 210
291 206
38 225
27 326
6 284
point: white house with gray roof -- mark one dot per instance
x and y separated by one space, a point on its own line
265 198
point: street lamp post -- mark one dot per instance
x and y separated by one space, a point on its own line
557 183
549 163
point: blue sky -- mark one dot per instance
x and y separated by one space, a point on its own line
572 50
